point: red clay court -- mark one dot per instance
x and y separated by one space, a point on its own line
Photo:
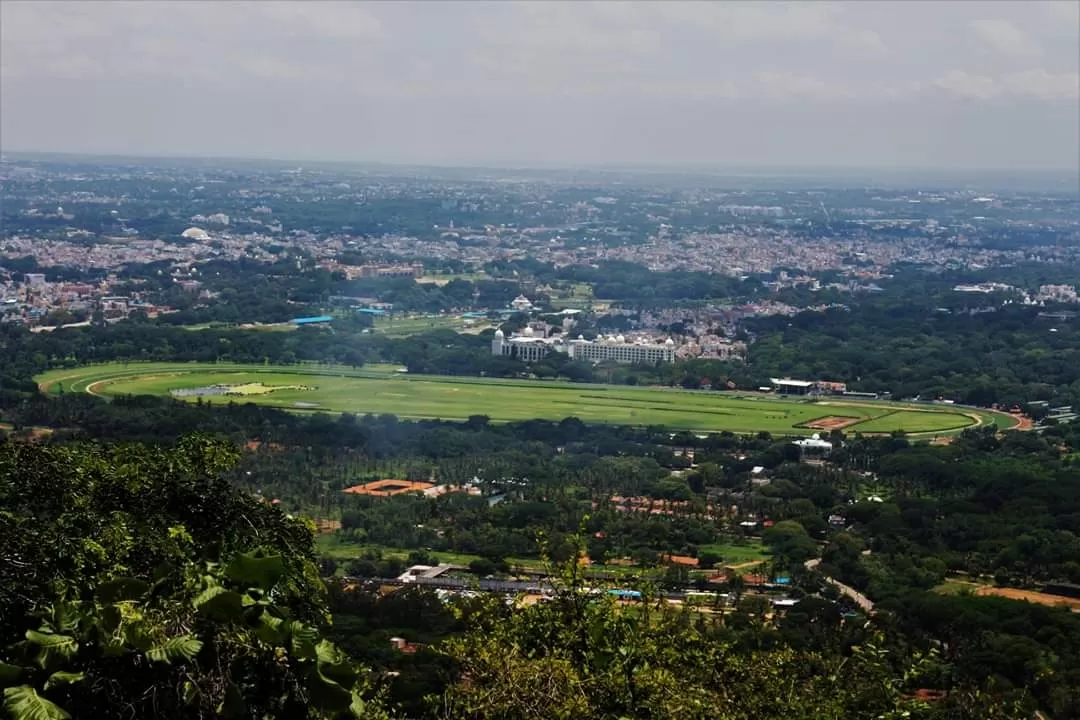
388 488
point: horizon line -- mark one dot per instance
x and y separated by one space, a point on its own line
655 167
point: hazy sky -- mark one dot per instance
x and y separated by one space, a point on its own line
926 84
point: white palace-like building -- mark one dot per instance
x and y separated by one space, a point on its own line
529 347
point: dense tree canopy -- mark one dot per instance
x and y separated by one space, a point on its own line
137 583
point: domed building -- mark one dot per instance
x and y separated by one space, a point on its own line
194 233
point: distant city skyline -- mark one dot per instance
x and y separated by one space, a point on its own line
759 85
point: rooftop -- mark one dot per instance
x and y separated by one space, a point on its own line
791 383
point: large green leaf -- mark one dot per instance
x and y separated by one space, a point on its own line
219 602
327 694
184 647
333 678
333 664
66 617
53 647
250 569
304 640
23 703
271 630
63 678
121 589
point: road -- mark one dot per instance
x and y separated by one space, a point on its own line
861 600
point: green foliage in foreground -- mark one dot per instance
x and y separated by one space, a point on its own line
137 583
580 656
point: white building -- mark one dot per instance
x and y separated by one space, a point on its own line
521 304
814 447
530 347
621 351
194 233
1057 293
527 347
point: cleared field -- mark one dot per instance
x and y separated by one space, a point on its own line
403 325
956 586
734 554
1031 596
368 390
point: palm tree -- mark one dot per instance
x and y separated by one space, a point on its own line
736 586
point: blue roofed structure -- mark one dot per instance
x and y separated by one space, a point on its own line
625 594
318 319
371 311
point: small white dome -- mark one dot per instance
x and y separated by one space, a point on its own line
499 333
194 233
620 339
580 337
669 342
527 332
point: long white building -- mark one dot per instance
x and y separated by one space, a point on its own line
530 347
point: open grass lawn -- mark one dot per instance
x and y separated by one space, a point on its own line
272 327
954 586
736 554
330 546
379 391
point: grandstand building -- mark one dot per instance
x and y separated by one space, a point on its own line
530 347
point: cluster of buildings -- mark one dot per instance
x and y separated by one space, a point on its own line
211 219
371 270
529 346
789 386
1057 293
697 340
35 301
522 214
1045 293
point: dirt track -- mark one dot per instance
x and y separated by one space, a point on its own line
1031 596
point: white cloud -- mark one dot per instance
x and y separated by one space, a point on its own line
1042 84
331 20
961 83
1006 38
753 21
200 41
1039 84
1067 13
864 40
792 85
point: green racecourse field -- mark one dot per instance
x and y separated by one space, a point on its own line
381 390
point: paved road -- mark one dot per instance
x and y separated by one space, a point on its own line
861 600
